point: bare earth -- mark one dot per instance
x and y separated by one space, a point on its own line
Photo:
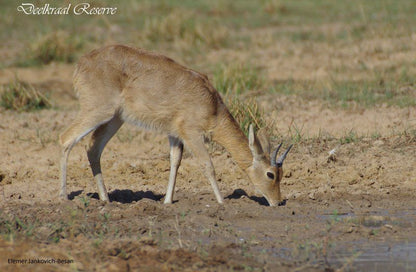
340 211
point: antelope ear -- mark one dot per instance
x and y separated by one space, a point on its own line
254 144
263 137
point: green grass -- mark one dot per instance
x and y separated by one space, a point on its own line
54 229
21 96
12 228
134 17
233 81
182 28
349 137
237 79
56 46
399 91
195 31
246 112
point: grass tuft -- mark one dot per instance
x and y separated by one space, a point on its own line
237 79
350 137
246 112
183 29
57 46
274 6
21 96
10 228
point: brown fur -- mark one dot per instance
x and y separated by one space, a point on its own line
117 84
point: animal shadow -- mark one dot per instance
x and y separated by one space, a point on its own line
238 193
122 196
74 194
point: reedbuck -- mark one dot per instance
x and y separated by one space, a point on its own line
118 84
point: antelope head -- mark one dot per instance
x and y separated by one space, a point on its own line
266 171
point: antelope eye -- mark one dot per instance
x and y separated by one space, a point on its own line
270 175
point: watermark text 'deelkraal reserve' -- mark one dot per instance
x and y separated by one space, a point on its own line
39 261
78 9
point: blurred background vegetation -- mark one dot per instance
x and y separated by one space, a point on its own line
359 52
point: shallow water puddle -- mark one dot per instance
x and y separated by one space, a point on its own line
388 255
374 240
376 256
404 218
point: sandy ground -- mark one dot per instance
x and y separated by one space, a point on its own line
336 207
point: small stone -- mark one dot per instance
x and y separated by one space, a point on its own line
312 196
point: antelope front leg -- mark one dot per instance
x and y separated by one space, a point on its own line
210 174
176 150
196 144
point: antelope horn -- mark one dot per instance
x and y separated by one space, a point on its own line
283 157
274 155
